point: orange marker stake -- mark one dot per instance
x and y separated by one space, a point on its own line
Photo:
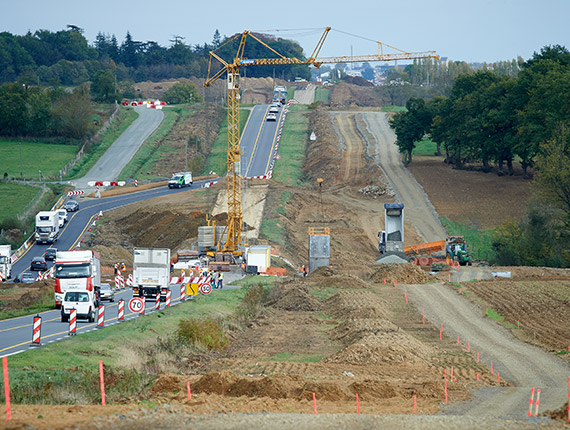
188 390
424 320
477 356
499 378
477 376
315 403
468 346
415 403
531 401
491 367
7 388
445 383
102 381
537 402
357 405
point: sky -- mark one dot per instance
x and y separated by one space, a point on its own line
462 30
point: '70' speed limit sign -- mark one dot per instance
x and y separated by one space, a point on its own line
136 305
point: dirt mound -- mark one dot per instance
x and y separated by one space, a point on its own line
354 330
406 273
558 414
18 296
168 383
371 389
216 382
383 347
346 305
293 297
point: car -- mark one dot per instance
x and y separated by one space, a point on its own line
273 109
71 206
49 255
25 278
106 293
271 117
82 301
38 263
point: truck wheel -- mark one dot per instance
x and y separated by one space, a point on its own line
92 317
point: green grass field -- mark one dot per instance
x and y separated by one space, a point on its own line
425 147
48 158
15 198
218 158
322 94
394 109
288 168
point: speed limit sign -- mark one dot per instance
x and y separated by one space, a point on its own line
206 288
136 305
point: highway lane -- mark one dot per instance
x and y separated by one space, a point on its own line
258 140
16 333
81 220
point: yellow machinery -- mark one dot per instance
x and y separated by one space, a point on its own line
231 69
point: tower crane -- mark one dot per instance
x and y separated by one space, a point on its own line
231 69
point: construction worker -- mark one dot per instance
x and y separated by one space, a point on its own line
123 267
220 280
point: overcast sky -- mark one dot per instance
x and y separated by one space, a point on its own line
469 30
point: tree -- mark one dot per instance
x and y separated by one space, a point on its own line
182 93
104 86
217 40
552 181
72 115
411 126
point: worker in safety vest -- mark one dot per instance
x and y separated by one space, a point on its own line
220 280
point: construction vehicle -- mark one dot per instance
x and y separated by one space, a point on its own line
456 249
76 271
235 241
425 248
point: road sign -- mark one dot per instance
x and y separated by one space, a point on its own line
191 289
136 305
278 156
206 288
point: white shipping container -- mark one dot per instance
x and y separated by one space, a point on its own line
260 256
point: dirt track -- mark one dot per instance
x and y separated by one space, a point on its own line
417 208
518 362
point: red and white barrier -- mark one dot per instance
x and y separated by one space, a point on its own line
136 183
106 183
72 322
537 402
531 401
168 296
75 193
143 306
37 331
121 312
119 281
157 304
182 292
130 280
101 316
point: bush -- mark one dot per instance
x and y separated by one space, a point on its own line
207 333
252 303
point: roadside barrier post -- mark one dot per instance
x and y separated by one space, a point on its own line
157 305
7 388
143 305
537 402
101 316
168 296
182 292
121 310
72 322
531 401
102 381
37 331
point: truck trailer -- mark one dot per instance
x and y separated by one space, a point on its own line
47 226
151 273
76 271
5 262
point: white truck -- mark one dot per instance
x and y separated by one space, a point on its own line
5 262
47 226
76 271
180 180
151 273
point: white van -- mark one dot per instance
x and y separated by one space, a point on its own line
180 180
82 301
62 214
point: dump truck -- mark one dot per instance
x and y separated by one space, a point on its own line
151 273
456 249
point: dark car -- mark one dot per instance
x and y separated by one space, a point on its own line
38 263
71 206
25 278
50 254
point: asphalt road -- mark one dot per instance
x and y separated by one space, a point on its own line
258 140
109 166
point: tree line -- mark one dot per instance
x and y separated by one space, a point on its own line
494 119
66 58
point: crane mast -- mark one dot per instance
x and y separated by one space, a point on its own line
235 215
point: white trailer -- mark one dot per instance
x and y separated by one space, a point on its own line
151 272
47 226
5 262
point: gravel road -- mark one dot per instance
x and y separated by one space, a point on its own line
417 208
178 418
520 363
109 166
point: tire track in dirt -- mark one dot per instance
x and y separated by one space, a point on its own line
418 210
353 155
518 362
